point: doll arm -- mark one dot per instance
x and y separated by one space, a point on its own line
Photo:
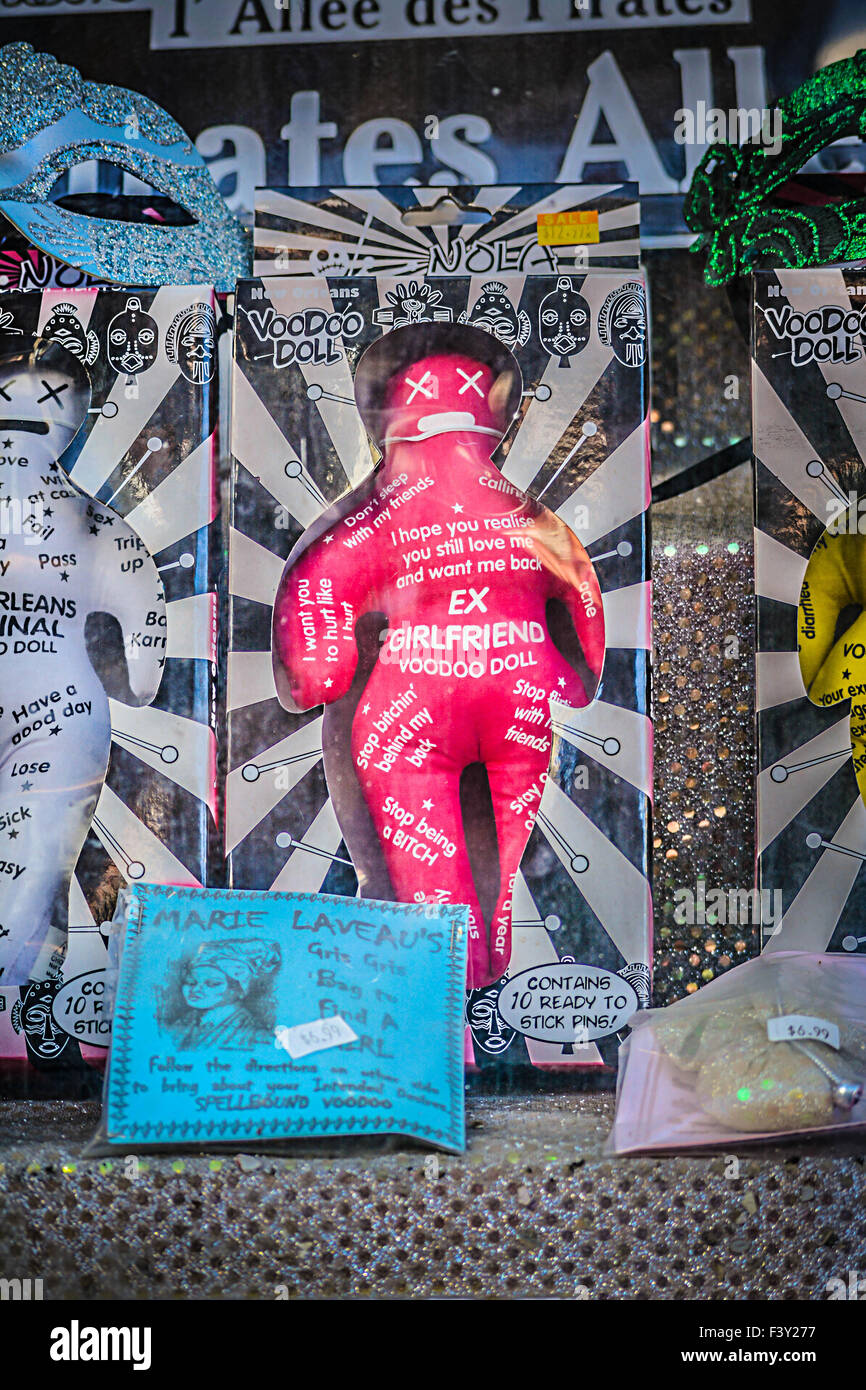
572 579
833 581
131 591
322 592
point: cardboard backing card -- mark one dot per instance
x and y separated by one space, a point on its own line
580 900
223 1036
516 229
24 266
809 430
146 455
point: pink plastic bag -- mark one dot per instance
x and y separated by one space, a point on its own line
776 1046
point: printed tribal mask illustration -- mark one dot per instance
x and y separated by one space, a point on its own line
63 558
481 604
831 630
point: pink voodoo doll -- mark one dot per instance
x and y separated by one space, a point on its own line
489 605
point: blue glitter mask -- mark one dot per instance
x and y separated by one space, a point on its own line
51 120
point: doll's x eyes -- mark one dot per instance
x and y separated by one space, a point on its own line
52 393
428 385
469 382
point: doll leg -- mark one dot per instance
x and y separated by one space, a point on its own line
35 871
515 781
44 819
419 824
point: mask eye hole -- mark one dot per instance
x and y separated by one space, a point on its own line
549 316
122 196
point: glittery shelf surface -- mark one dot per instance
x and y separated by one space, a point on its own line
532 1209
703 623
704 812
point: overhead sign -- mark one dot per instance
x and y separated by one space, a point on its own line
210 23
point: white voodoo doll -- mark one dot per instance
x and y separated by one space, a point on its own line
63 558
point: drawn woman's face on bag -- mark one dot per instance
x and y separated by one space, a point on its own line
206 987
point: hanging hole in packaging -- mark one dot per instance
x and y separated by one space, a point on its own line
446 212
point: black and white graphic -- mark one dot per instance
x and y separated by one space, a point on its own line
191 343
221 997
412 303
32 1017
313 337
490 1033
405 231
65 327
564 325
622 323
7 322
639 977
494 311
133 339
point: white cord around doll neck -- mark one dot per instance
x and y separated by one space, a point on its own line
447 422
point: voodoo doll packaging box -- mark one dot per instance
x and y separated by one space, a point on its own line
439 625
107 643
809 429
27 267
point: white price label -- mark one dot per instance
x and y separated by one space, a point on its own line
802 1028
304 1038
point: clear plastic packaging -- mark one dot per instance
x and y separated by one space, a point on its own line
439 600
775 1047
108 656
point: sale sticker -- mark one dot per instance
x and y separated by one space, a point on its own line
577 227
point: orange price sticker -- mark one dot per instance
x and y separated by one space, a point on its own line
577 227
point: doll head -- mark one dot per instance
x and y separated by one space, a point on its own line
438 394
429 379
44 398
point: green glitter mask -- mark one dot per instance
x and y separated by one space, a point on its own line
729 203
51 121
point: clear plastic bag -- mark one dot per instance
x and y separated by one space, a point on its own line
776 1046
